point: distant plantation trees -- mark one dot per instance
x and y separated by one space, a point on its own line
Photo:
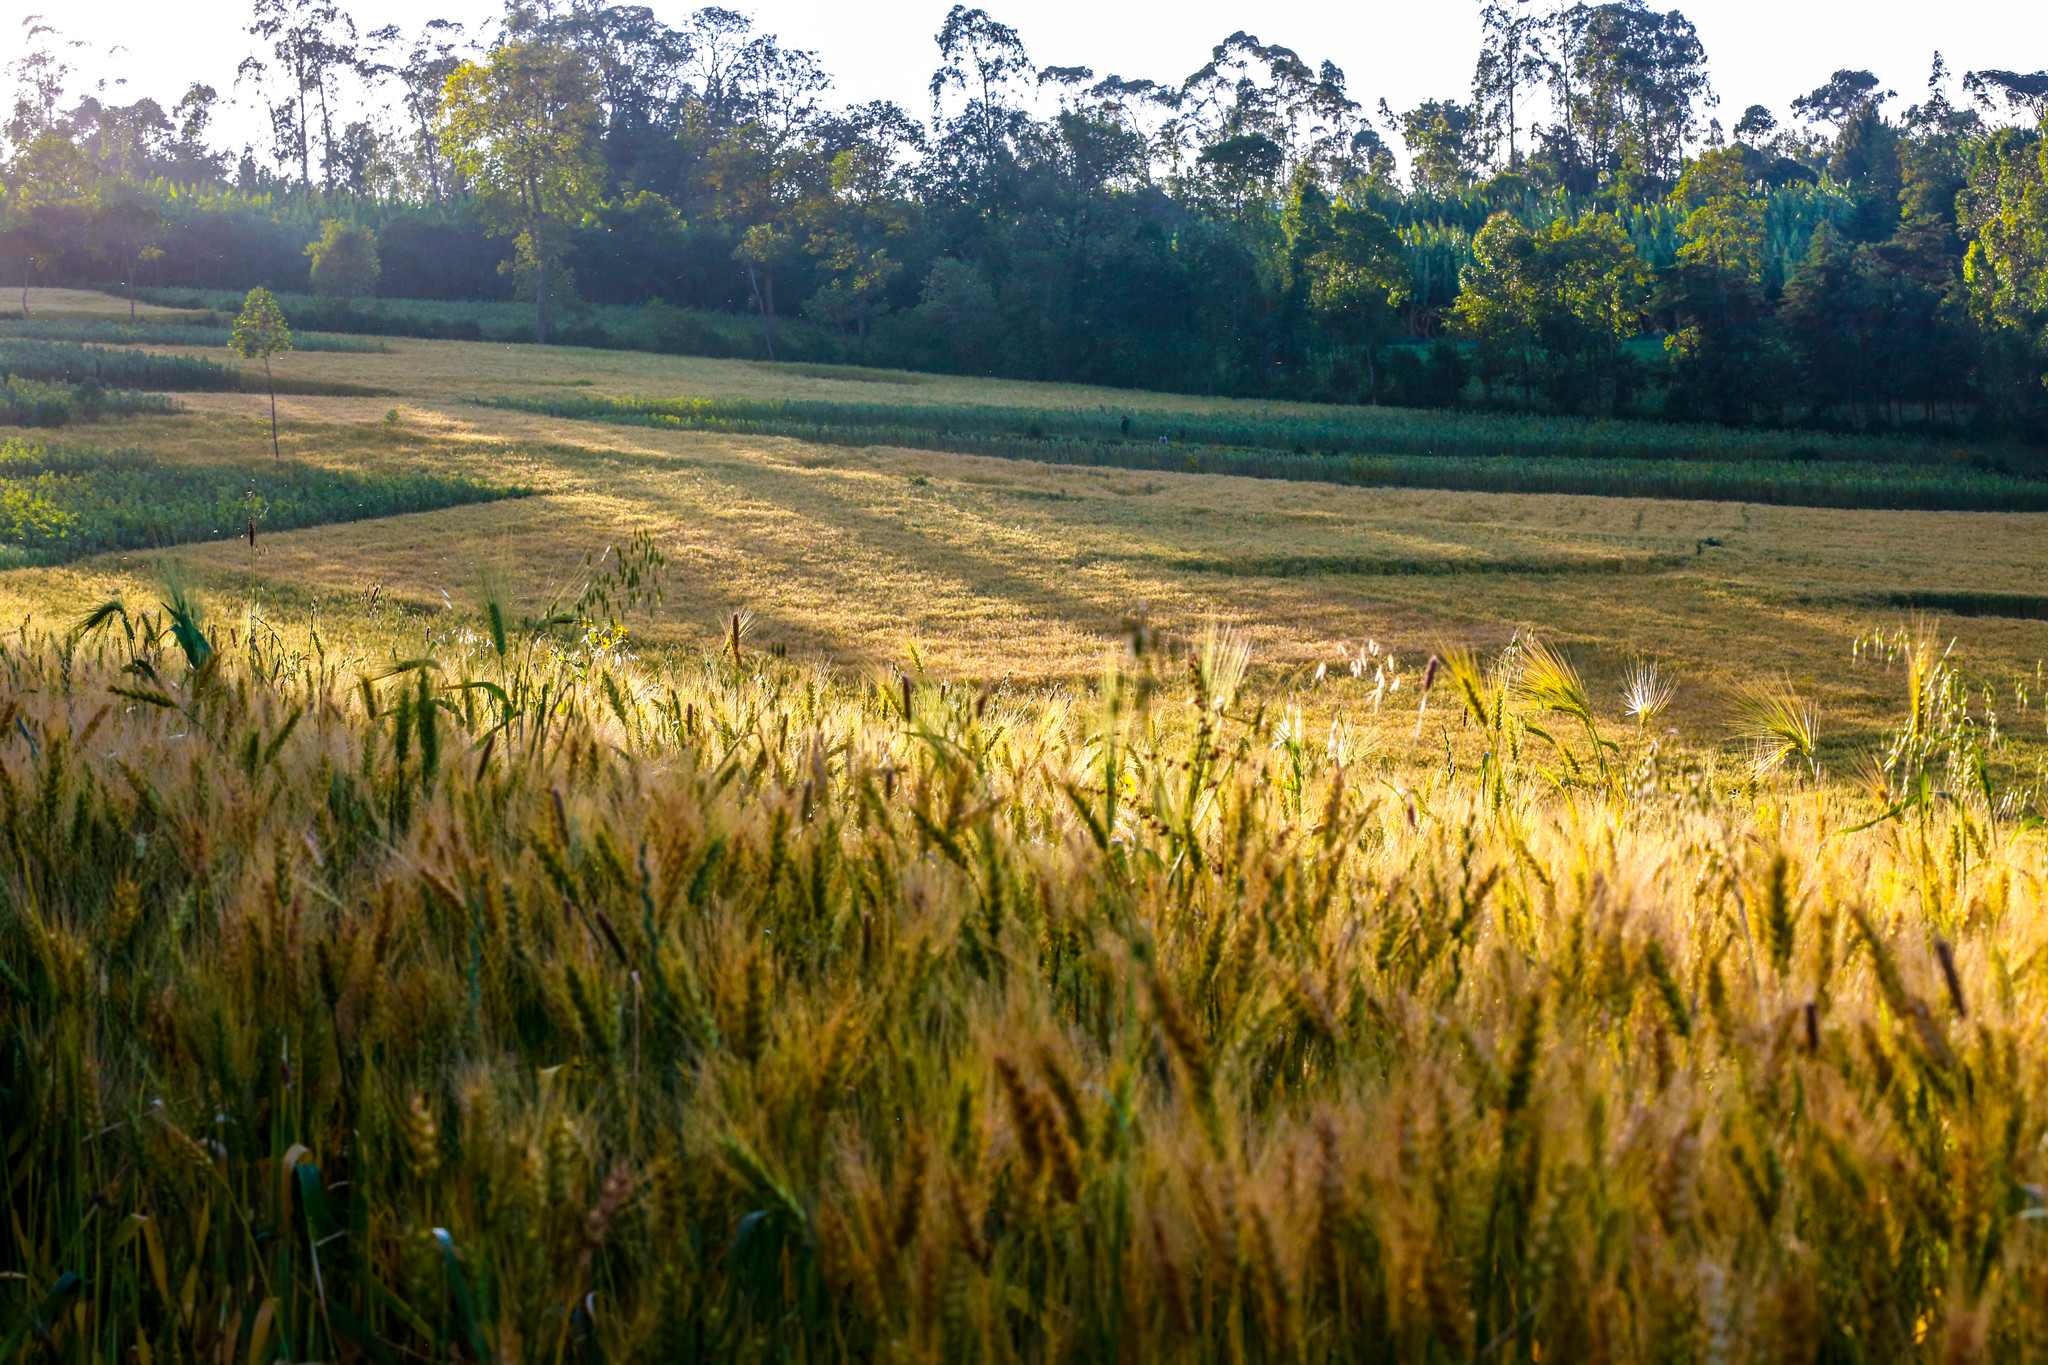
1246 228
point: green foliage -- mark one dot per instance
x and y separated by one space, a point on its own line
260 330
344 260
1552 307
2006 269
57 505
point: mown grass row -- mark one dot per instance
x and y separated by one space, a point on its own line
59 505
1529 455
112 332
522 1001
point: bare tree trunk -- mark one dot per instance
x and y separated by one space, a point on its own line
764 307
271 384
538 229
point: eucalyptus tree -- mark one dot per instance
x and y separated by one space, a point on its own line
1511 62
313 44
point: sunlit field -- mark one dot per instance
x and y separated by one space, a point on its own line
707 896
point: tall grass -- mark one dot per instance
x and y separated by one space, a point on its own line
525 1001
1390 447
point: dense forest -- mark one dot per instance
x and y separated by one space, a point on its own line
1577 233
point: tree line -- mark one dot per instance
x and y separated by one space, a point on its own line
1576 233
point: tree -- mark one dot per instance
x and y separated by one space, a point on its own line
763 250
1556 304
1725 226
423 74
2005 274
2023 93
313 42
957 305
855 295
979 59
1511 58
1624 81
1844 94
1441 156
344 260
519 128
260 333
125 228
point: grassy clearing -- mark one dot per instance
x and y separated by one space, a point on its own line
999 568
61 505
521 996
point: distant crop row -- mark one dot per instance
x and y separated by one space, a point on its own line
1391 449
1342 431
65 362
658 327
59 362
29 403
58 505
214 332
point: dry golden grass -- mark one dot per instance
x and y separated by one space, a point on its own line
997 568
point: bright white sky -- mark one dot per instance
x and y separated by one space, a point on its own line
1761 51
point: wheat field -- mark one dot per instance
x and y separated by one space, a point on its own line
758 901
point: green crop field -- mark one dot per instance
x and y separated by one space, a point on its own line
661 858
